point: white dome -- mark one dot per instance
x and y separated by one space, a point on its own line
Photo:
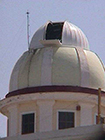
67 34
64 66
58 56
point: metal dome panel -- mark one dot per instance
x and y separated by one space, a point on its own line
72 35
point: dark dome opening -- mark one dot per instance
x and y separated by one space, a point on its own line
54 31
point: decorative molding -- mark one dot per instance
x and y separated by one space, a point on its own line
59 88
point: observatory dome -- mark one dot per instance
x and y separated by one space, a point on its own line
67 34
58 56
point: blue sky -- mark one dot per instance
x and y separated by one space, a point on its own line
89 15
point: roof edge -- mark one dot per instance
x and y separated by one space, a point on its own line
54 88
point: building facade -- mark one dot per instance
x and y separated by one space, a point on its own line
54 85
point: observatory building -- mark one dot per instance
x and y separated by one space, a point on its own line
53 91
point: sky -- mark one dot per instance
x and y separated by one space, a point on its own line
89 15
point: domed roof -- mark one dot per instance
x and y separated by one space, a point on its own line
63 32
58 56
58 66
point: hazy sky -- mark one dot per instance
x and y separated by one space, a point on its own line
89 15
